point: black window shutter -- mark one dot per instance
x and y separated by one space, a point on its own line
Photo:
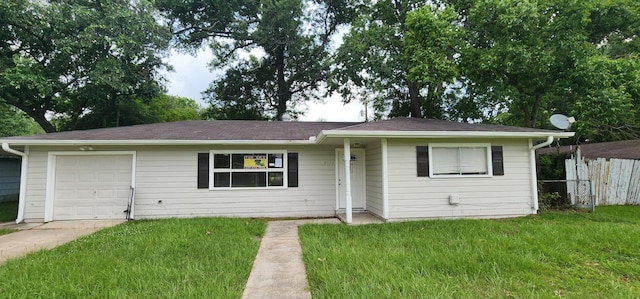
496 157
422 157
203 170
292 171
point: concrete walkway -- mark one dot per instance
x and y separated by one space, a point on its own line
278 270
36 236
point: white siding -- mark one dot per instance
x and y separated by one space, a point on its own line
36 186
166 185
170 176
411 196
374 178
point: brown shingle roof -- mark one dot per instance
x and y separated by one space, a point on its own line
200 130
247 130
426 124
628 149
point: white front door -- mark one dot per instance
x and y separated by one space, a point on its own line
358 201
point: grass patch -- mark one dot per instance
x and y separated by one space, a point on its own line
4 231
8 211
172 258
552 255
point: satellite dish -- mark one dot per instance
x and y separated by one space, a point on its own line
561 122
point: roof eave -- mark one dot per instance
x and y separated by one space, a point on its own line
155 142
439 134
318 140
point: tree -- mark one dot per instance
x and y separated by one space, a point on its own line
14 122
236 96
608 82
431 44
528 59
78 59
162 108
610 106
373 64
292 39
521 53
521 61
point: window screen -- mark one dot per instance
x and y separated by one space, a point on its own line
459 160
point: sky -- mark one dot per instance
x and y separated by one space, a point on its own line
191 76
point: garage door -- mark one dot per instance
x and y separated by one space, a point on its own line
91 187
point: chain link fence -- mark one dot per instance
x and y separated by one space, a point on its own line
561 193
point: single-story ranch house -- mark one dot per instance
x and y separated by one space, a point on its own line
396 169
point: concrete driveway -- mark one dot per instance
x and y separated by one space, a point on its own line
36 236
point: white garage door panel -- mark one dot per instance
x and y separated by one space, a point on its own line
91 187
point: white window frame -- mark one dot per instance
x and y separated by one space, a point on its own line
230 170
460 145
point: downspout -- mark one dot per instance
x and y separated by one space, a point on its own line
23 178
532 169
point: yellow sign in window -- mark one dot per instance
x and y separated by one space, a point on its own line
255 162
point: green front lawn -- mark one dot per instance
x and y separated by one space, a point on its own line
8 211
553 255
172 258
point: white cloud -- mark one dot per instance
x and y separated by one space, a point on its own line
191 75
334 110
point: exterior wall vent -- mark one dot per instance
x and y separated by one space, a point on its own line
454 199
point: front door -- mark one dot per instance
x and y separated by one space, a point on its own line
357 180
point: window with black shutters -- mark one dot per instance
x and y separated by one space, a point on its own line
458 160
255 169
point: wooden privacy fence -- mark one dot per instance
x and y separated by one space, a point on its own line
613 182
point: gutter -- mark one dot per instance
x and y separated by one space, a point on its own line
81 142
23 178
437 134
532 169
540 145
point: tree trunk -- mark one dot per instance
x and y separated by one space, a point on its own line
284 94
535 109
117 115
34 112
43 122
531 115
432 105
414 91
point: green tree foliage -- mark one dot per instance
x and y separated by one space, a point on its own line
432 45
291 40
162 108
521 61
14 122
521 54
371 66
78 60
610 106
